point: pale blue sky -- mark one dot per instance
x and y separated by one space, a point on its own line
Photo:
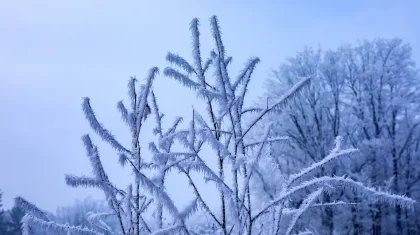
52 53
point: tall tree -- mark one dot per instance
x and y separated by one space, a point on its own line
382 95
15 224
312 120
3 222
369 94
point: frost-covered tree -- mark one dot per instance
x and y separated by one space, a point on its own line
226 129
384 95
369 94
312 120
75 214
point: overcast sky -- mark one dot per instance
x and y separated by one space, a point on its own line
53 53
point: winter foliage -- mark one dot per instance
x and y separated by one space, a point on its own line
231 131
368 94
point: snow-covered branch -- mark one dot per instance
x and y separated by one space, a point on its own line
302 208
99 129
53 227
